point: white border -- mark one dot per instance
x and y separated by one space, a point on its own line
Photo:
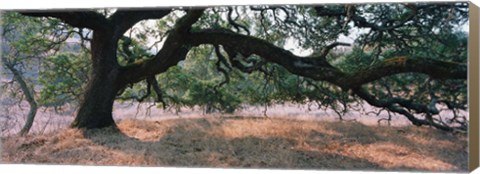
85 4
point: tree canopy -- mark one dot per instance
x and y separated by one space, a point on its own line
406 58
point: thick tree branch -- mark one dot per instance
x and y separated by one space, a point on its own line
327 49
319 69
174 50
124 19
436 69
80 19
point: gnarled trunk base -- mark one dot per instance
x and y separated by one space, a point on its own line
96 108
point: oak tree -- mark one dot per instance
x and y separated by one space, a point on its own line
408 58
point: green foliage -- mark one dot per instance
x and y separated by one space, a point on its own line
415 87
23 38
63 78
31 45
23 44
196 81
355 60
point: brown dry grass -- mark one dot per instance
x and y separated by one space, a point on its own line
246 142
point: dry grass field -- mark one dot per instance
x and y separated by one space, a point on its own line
246 142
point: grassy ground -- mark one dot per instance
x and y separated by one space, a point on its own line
238 142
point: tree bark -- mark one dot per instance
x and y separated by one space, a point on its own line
108 77
29 96
30 117
96 106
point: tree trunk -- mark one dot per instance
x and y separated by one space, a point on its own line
96 106
30 118
29 96
28 92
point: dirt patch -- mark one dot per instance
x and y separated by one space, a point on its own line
246 143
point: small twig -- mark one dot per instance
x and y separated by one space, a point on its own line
327 49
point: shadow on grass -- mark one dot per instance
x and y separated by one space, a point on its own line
246 143
190 144
425 142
